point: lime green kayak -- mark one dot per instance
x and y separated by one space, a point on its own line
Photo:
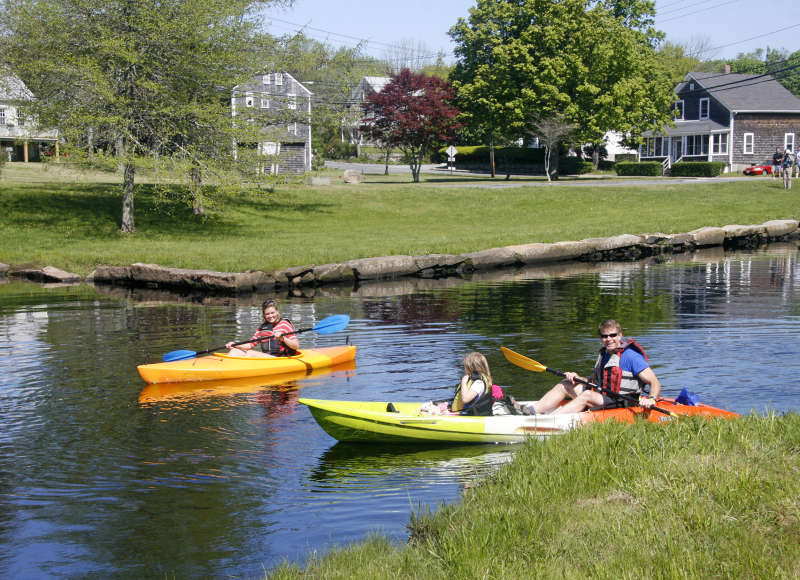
380 422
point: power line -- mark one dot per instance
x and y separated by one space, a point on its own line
697 11
753 37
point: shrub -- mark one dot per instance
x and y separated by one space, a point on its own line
698 169
620 157
335 149
574 166
648 168
479 155
606 165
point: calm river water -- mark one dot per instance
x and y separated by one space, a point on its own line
101 476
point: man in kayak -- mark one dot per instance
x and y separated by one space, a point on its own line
277 334
621 367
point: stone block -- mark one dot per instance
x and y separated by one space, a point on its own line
780 228
383 267
352 176
708 236
333 273
492 258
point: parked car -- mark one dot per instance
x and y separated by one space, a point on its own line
764 168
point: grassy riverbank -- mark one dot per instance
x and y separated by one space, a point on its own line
696 499
70 219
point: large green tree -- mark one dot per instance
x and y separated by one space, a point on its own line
146 74
594 63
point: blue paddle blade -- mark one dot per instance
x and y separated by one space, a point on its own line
332 324
179 355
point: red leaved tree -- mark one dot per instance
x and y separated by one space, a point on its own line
412 113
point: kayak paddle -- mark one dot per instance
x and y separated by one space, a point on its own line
532 365
328 325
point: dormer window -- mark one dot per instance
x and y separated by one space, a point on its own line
677 110
705 106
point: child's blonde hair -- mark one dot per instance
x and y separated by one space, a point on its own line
475 362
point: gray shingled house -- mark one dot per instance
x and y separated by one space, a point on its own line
21 138
738 119
281 108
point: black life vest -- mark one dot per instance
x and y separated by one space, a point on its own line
482 404
272 345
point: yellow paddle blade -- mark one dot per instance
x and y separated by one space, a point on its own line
523 361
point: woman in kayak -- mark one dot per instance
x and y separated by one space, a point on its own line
621 367
275 336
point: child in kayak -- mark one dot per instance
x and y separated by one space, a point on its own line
472 393
275 336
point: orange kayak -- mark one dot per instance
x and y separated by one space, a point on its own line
221 366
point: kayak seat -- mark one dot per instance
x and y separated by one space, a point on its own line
390 408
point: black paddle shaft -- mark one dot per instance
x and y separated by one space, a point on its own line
607 391
262 339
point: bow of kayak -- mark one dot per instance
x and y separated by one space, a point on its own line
221 366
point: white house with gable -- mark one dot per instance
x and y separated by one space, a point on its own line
21 138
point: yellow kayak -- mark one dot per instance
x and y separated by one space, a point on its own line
221 366
161 392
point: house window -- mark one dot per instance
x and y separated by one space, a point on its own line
248 100
704 107
749 138
270 148
292 128
278 79
719 144
696 145
265 79
788 141
677 110
21 119
2 116
264 103
292 101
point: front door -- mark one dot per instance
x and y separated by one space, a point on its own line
677 148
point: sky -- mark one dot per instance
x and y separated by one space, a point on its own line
726 27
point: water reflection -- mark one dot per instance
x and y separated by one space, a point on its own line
102 475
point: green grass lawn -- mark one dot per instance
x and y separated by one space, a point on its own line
693 499
70 219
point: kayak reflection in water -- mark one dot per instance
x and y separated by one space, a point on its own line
276 333
622 367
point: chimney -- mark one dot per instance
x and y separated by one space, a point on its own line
727 69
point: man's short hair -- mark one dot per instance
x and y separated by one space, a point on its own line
609 323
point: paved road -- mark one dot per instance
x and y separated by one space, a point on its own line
501 183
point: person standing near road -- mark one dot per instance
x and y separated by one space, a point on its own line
797 163
777 159
786 167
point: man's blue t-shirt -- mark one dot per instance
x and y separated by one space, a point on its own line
631 361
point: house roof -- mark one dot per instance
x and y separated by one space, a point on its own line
377 83
258 85
12 88
682 128
742 93
368 85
